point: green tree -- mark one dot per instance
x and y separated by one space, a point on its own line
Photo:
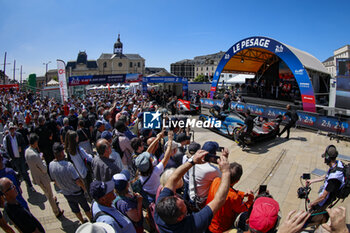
201 78
32 81
55 78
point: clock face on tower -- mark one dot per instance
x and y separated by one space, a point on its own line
117 50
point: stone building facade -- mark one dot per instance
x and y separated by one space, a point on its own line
108 63
330 63
200 65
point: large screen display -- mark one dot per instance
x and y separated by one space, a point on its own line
343 67
343 83
343 93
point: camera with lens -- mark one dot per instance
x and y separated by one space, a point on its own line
303 192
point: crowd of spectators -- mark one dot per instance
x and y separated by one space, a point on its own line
102 159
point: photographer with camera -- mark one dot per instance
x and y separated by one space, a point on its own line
202 175
333 180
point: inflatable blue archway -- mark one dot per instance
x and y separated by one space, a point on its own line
284 53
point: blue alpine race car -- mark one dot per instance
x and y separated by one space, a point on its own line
229 121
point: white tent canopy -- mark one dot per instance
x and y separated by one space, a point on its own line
53 83
240 78
308 61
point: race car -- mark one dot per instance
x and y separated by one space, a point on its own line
184 107
229 121
263 130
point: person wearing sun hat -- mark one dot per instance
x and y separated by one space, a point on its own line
102 210
128 203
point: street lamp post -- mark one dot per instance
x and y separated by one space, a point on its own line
14 71
20 82
46 65
5 67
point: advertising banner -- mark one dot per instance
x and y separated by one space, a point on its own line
284 53
61 70
164 79
8 86
96 79
169 79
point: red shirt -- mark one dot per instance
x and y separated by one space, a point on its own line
223 220
66 109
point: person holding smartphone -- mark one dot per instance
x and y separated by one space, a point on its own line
235 201
201 175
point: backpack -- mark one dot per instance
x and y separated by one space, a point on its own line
116 146
345 190
101 213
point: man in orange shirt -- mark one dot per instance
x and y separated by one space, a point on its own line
234 205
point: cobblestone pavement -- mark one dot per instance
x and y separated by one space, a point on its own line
278 164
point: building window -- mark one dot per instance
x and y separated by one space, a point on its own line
201 68
138 64
230 76
130 64
120 64
207 67
104 64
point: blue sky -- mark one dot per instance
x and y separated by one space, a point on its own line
162 31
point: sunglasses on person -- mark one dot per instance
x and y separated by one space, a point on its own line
10 188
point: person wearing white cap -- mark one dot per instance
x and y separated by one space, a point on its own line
102 210
128 203
97 227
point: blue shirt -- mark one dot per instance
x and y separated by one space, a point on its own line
130 135
125 204
197 222
125 225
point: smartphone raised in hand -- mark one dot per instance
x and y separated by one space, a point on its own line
211 158
262 189
306 176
